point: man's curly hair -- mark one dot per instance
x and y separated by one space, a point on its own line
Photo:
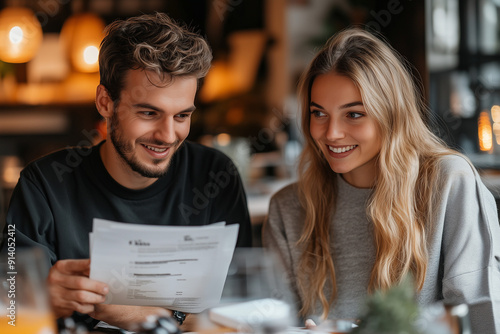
153 42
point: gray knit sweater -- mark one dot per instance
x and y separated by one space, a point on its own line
464 246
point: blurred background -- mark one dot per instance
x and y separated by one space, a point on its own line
247 106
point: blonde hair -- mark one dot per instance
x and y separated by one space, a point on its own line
400 206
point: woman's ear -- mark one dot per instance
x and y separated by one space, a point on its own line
103 102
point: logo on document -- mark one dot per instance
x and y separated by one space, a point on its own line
138 242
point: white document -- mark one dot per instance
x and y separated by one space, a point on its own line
176 267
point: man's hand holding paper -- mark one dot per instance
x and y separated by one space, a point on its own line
71 289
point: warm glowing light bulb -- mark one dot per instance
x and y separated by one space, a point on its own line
81 35
223 139
485 132
496 132
495 113
90 55
16 35
20 35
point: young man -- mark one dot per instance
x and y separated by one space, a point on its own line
144 172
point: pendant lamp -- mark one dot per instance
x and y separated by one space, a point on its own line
20 35
81 36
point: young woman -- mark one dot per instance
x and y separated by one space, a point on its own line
379 196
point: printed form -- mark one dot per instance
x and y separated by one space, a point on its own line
181 268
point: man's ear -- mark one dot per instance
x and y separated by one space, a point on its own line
103 102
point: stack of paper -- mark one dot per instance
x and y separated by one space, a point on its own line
180 268
247 316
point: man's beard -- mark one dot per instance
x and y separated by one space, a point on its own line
126 152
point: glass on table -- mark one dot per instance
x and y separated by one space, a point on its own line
24 306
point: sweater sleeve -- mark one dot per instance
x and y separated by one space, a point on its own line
471 246
278 239
30 215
